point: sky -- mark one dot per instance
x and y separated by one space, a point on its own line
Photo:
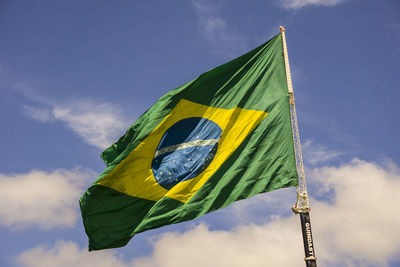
75 74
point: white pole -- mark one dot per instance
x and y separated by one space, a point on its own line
302 203
287 66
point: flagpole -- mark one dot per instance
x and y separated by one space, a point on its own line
302 206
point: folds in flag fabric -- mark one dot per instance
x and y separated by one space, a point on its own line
222 137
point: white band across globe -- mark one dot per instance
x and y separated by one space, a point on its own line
168 149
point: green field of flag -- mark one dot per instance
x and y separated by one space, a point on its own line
222 137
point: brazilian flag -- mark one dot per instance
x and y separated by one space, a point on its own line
222 137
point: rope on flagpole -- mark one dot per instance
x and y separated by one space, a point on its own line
302 203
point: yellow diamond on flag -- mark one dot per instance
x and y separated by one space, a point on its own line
134 176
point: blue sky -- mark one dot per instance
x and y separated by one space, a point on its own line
75 74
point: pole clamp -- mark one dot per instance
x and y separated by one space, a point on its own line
311 258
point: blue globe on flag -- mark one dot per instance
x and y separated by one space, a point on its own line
185 150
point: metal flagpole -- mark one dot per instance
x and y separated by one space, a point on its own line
302 206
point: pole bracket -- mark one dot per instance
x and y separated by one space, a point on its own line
311 258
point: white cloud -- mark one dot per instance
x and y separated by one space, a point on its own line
225 40
316 153
296 4
250 245
357 225
67 254
40 198
360 225
244 246
98 123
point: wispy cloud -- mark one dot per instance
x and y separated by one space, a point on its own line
296 4
225 39
363 211
317 153
39 114
97 123
41 198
